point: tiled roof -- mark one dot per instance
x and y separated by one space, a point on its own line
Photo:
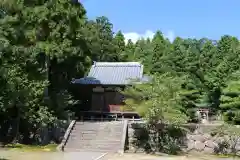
113 73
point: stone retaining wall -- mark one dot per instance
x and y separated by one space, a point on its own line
198 139
201 142
210 144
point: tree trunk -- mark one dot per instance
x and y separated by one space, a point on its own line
18 125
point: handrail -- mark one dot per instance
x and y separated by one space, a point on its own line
124 135
61 146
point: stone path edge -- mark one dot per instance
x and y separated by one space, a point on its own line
100 157
60 147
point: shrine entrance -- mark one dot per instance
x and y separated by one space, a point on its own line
203 115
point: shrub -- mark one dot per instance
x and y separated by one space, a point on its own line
161 138
229 137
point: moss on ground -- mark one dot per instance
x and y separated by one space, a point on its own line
23 147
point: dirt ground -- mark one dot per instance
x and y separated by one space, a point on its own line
151 157
17 155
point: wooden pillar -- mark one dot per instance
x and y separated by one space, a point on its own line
122 116
207 115
104 100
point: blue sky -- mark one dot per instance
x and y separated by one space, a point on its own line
184 18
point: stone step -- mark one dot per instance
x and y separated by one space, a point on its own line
94 137
97 126
99 132
93 132
82 141
94 146
87 125
90 136
99 123
96 132
90 150
102 139
74 134
83 132
109 138
100 142
86 128
97 136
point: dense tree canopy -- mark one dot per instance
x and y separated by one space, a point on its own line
43 45
46 43
210 66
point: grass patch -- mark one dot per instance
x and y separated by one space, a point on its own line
23 147
227 156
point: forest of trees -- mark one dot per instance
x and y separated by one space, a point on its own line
46 43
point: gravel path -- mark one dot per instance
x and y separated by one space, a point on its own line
17 155
150 157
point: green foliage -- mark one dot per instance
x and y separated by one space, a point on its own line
158 101
230 102
44 44
22 147
210 66
120 45
165 138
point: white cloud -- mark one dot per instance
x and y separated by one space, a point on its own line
134 36
170 35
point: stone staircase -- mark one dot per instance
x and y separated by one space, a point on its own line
96 136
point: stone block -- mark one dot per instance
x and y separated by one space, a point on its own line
199 146
190 145
210 144
238 153
199 138
238 146
208 150
189 137
207 136
218 139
